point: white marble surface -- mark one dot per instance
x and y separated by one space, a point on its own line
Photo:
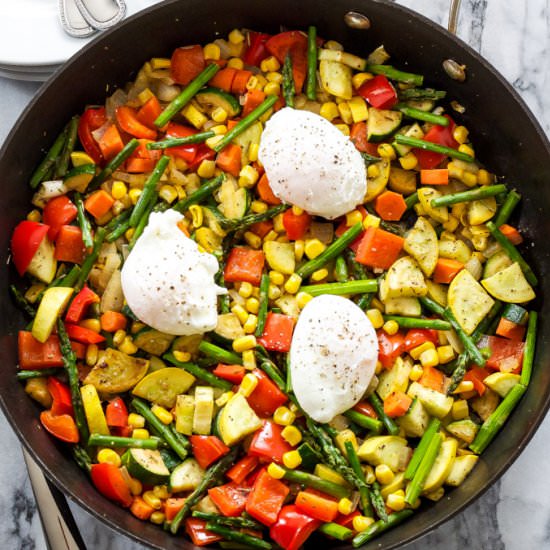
515 513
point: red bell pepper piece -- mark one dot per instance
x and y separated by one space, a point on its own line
506 355
229 498
203 153
27 237
293 528
62 402
79 349
266 499
186 63
199 535
256 51
91 120
379 92
296 226
149 112
232 373
207 449
79 306
83 335
61 426
172 506
390 347
110 143
116 413
128 121
266 397
477 375
110 483
186 152
57 212
69 246
240 471
417 336
358 135
293 43
442 135
244 265
36 355
268 443
277 335
347 520
317 505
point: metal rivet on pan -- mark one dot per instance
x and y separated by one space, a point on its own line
356 20
455 70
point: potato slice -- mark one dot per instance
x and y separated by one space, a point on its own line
163 386
405 279
336 78
509 285
280 256
437 292
468 301
502 382
409 307
394 379
460 468
402 181
377 183
481 211
390 450
455 250
421 244
442 465
425 196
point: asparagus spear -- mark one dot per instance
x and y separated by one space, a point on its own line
411 200
264 303
49 160
113 164
90 259
349 287
414 322
62 163
83 222
143 220
235 224
336 531
503 215
422 447
274 373
418 114
69 279
315 482
458 372
341 270
205 190
288 82
26 374
177 141
378 406
421 93
364 491
379 527
22 302
417 483
435 147
364 421
369 159
82 457
99 440
395 74
311 84
238 522
219 354
238 536
470 195
378 502
529 352
203 374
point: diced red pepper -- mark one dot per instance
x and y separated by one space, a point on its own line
358 135
442 135
61 397
128 121
477 375
244 265
296 226
417 336
390 347
277 335
379 92
36 355
240 471
61 426
229 498
506 355
186 152
69 246
83 334
293 43
91 120
266 498
203 153
27 237
256 51
57 212
116 413
110 483
231 373
79 349
149 112
293 528
266 397
186 63
268 443
80 304
199 535
207 449
110 143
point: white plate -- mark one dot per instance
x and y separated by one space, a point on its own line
31 33
28 76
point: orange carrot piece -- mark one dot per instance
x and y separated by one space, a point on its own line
317 506
477 375
99 203
432 378
511 233
379 248
510 330
223 79
446 270
110 142
252 99
436 176
111 321
229 159
265 192
390 206
240 81
172 506
141 509
262 228
397 404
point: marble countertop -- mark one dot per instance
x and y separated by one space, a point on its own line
513 35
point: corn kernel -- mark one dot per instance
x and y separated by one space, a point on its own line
386 151
108 456
91 324
460 134
194 116
293 283
206 169
396 502
371 221
236 36
319 275
292 459
275 471
162 414
252 83
345 112
244 343
344 128
455 171
253 149
292 435
460 409
384 474
359 79
362 523
429 358
253 240
140 433
270 64
469 179
249 359
416 372
168 193
245 289
445 353
118 337
299 247
324 472
272 88
466 149
241 313
353 217
451 224
128 346
464 386
379 368
136 420
248 176
253 305
182 356
274 76
129 234
408 161
345 506
484 177
161 491
416 352
197 215
273 292
248 383
329 110
135 486
143 98
373 171
224 398
313 247
358 109
302 299
157 518
235 63
368 470
375 317
34 216
134 194
212 51
152 500
391 327
276 278
92 352
283 416
251 323
118 190
376 303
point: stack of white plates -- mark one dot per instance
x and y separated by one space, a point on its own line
33 43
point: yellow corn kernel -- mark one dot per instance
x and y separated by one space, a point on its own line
429 358
252 83
345 112
324 472
258 207
408 161
91 324
134 194
161 491
371 221
245 290
235 63
376 303
248 176
244 343
118 337
206 169
253 149
34 216
319 275
118 190
211 51
108 456
168 193
384 474
297 211
416 372
386 151
373 171
182 356
159 63
251 323
241 313
353 217
464 386
445 353
272 88
273 292
396 502
451 224
236 36
143 97
469 179
329 110
368 470
129 233
224 398
140 433
416 352
248 383
302 299
379 367
455 172
460 409
375 317
275 471
252 239
278 225
136 420
343 437
219 130
128 346
276 278
313 247
249 359
219 115
253 305
345 506
344 128
274 76
162 414
194 116
484 177
283 416
157 518
358 109
270 64
460 134
293 283
136 488
292 459
391 327
466 149
292 435
197 216
92 352
152 500
359 79
299 247
362 523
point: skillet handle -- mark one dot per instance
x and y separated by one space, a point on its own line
453 16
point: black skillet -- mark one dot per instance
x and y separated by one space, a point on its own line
506 135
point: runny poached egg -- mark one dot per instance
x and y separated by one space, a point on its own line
332 356
167 282
311 164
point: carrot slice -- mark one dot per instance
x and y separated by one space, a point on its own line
435 176
229 159
397 404
446 270
390 206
